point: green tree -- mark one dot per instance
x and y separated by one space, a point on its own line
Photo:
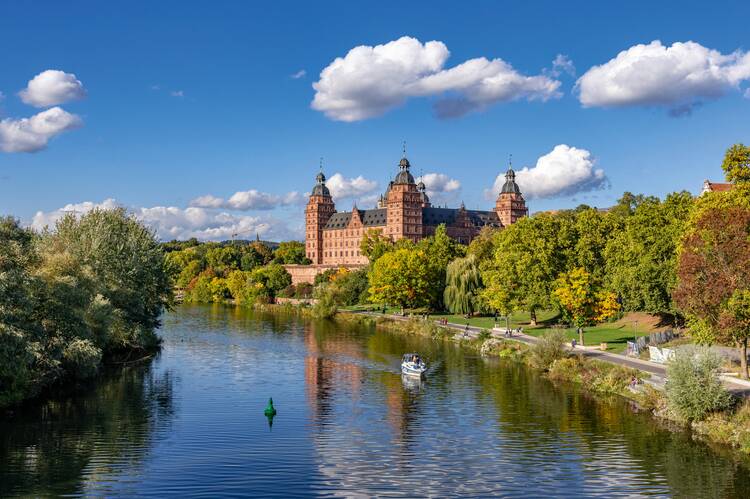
641 257
463 286
374 244
527 258
272 277
736 164
401 277
440 250
124 259
291 252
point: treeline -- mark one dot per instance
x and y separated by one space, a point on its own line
247 273
74 296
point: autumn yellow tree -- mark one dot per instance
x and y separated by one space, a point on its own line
582 302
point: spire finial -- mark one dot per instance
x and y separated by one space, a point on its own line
321 164
403 149
510 160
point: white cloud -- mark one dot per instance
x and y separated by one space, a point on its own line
562 64
342 187
249 200
563 171
299 74
369 81
678 77
52 87
177 93
33 134
171 222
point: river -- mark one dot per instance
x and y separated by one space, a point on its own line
190 423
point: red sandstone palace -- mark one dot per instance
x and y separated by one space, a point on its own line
332 238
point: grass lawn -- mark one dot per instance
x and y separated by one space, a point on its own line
616 335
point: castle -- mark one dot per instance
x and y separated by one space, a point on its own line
332 238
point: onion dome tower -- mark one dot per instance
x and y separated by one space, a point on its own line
319 209
404 204
510 205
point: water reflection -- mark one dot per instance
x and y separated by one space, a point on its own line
55 448
348 424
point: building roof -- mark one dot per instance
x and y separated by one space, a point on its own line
436 216
370 218
510 185
716 186
320 188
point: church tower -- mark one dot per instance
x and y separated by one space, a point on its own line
404 203
510 205
319 209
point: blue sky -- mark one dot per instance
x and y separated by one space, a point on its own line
179 100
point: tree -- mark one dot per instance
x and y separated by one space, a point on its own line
736 164
581 301
482 246
402 278
641 256
714 267
272 277
374 244
463 286
440 250
290 253
251 258
264 252
125 261
224 258
528 256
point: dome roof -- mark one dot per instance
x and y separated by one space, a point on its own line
404 177
404 163
510 186
320 188
421 186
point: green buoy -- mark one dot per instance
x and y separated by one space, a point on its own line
270 411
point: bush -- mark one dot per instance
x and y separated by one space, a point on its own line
549 348
325 306
693 385
81 358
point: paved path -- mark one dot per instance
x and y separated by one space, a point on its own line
737 386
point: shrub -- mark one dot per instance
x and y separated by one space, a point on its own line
549 348
325 306
693 385
81 358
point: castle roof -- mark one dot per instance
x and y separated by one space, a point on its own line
370 218
436 216
510 186
320 188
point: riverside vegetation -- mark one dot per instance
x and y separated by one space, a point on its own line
89 291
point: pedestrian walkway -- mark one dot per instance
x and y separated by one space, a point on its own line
734 385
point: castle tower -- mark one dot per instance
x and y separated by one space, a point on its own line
319 209
510 205
425 200
404 204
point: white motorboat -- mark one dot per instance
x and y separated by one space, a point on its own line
413 365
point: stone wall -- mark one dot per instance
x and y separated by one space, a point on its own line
307 273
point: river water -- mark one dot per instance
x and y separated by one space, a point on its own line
191 423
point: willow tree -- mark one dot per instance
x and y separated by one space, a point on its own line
463 284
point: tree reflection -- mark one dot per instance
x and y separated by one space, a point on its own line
45 449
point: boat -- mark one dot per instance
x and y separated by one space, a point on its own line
413 365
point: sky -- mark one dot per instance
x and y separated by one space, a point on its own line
208 119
